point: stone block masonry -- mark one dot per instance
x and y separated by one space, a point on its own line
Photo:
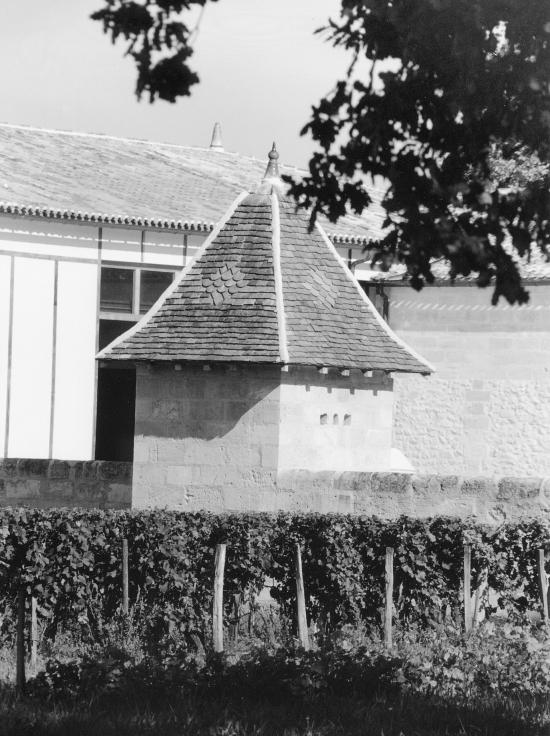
102 484
335 422
486 409
230 432
202 434
58 483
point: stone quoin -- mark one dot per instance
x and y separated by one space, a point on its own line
263 364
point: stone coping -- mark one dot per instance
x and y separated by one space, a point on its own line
54 483
108 484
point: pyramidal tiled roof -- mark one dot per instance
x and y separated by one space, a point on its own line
265 289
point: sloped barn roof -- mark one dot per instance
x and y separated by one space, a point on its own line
99 178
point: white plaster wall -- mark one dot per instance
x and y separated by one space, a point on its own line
5 269
121 244
31 360
194 242
75 248
43 238
487 408
73 420
306 443
164 248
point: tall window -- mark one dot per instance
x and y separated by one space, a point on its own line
153 283
117 289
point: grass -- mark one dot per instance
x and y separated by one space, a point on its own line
204 713
232 703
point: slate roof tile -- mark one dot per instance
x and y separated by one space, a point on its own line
318 316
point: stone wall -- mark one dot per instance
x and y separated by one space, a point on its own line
486 409
54 483
102 484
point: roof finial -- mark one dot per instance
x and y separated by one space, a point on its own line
216 143
272 171
272 179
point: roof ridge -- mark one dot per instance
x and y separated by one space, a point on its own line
381 321
278 276
107 136
147 141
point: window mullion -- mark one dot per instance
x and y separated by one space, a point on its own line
137 287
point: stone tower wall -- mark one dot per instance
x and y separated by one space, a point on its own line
245 438
204 439
333 422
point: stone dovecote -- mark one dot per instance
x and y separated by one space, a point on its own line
297 368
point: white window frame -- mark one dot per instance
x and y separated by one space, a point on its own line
135 314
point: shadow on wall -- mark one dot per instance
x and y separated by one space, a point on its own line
205 405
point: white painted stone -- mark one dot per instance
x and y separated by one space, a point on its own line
5 269
73 418
32 351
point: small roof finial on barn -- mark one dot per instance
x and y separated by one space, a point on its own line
216 143
272 181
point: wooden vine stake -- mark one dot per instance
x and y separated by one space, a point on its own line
20 642
388 615
303 635
34 634
237 598
467 587
217 605
543 584
125 597
251 610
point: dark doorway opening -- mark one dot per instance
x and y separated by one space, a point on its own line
116 402
115 417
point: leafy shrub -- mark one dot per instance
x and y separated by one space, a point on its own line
69 559
495 660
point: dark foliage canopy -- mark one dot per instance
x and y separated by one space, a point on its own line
453 112
69 560
157 39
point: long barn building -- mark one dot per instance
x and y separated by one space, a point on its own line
93 229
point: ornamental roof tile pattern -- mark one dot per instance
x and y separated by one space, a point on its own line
264 289
98 178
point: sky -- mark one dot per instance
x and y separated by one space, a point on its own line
260 65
